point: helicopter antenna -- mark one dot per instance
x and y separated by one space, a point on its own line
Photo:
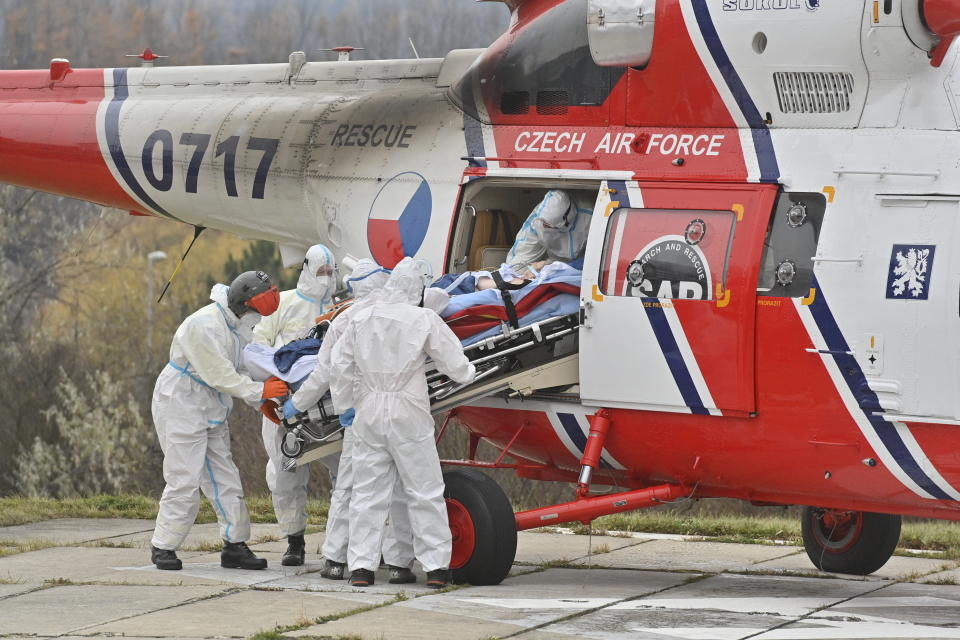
414 47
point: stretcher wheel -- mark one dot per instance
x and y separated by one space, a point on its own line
291 446
854 542
483 527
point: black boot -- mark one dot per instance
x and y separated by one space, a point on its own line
401 575
333 570
237 555
361 578
295 554
438 578
165 559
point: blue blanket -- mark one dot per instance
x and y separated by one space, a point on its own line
556 272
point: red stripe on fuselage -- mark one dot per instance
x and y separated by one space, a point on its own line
48 136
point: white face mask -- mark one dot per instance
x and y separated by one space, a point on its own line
318 288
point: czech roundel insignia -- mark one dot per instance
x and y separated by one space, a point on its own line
911 266
399 218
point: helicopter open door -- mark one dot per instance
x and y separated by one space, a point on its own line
669 297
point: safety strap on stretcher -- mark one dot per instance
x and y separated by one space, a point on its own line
505 288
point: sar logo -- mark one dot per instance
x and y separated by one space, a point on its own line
399 218
670 267
911 266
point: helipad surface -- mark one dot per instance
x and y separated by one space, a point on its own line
94 579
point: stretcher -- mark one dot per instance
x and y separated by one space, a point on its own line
514 362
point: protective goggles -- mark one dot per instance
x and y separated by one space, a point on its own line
364 277
265 302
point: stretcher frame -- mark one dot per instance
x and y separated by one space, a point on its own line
504 366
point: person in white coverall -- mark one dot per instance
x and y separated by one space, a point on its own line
192 401
294 318
556 230
379 367
364 283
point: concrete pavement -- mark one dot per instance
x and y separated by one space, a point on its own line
93 578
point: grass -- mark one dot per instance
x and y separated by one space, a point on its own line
709 526
13 548
23 510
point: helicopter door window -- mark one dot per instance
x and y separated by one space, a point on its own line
667 254
786 269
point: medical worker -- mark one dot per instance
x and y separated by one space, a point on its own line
379 368
366 280
556 230
191 405
297 314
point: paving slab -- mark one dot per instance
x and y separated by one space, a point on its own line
65 609
7 590
723 607
207 567
404 623
894 611
74 530
230 615
708 557
313 543
538 598
911 603
380 592
537 548
201 536
85 564
897 567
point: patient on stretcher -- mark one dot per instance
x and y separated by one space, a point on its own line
474 312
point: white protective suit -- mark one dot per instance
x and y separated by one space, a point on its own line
564 239
379 367
366 281
292 320
192 400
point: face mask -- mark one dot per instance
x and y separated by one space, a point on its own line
317 287
247 323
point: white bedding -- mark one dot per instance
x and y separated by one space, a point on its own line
258 359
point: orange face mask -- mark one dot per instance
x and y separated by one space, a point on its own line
265 303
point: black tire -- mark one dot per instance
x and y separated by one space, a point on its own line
853 542
494 527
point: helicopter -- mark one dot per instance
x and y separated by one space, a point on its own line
768 308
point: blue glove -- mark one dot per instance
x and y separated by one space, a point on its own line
289 410
346 418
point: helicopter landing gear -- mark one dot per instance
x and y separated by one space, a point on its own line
483 527
854 542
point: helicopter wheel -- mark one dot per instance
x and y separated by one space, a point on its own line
483 527
854 542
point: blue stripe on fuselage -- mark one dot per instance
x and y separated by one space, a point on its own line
111 129
766 156
866 399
